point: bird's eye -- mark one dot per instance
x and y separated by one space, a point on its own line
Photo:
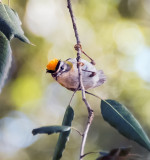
62 67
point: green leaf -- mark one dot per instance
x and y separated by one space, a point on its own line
5 58
63 137
50 129
122 153
10 24
121 119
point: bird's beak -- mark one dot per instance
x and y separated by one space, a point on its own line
47 71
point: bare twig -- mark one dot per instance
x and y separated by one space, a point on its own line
77 131
92 61
73 22
73 96
76 48
88 153
79 51
93 95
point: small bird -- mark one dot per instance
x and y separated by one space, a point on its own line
66 74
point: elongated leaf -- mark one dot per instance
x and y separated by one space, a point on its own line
122 153
10 24
5 59
121 119
63 137
50 129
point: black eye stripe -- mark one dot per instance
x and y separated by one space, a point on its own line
57 65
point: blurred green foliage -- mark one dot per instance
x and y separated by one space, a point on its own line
113 32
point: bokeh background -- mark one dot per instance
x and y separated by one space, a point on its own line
116 33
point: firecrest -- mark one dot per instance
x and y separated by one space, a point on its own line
66 74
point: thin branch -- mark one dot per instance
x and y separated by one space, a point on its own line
73 21
88 153
79 51
77 131
76 48
92 61
72 96
93 95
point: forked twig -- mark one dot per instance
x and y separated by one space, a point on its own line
79 45
79 51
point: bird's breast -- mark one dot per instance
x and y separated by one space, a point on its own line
69 79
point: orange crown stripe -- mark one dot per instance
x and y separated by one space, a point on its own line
52 64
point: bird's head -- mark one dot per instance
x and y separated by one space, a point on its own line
57 67
53 66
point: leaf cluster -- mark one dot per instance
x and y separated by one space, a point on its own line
118 116
64 131
10 27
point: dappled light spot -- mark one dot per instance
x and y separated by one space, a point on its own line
128 37
15 132
25 89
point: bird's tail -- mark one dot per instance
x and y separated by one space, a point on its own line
102 78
